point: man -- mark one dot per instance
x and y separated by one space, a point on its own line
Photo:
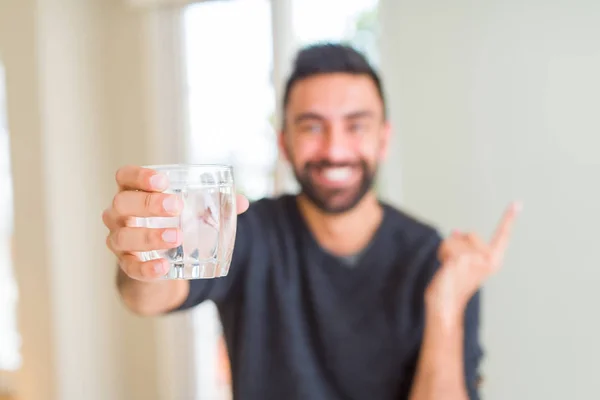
331 294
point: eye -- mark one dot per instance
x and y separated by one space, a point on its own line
312 128
357 127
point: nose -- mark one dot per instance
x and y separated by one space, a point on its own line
337 147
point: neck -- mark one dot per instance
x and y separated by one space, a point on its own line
347 233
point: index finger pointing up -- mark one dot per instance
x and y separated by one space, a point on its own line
501 237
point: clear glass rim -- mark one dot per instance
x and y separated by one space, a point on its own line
190 167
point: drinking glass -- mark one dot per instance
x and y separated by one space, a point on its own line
208 221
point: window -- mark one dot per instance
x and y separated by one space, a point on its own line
231 97
350 21
230 106
10 359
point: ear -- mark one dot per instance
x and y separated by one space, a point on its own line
281 144
385 141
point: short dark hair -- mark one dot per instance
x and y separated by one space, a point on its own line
327 58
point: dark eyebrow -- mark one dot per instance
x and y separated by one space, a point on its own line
308 116
359 114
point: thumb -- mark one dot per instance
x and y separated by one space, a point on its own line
242 203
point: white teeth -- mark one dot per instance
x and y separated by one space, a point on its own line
337 174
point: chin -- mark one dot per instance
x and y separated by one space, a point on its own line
335 198
338 203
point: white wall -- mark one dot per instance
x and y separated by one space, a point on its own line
496 100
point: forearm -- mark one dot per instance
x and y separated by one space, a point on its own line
151 298
440 368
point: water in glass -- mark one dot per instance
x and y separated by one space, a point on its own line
208 223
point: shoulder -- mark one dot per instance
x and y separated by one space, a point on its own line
266 212
266 225
270 204
268 207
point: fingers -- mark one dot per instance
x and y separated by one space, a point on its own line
110 219
463 241
144 271
242 203
460 247
459 244
139 178
147 204
128 239
501 237
477 244
473 262
454 245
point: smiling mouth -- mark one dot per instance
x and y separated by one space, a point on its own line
337 174
335 177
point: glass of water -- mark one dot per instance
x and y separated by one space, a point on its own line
208 221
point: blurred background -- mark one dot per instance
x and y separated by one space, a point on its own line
490 101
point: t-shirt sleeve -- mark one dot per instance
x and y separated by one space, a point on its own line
218 289
473 352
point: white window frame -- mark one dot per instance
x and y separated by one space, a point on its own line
284 49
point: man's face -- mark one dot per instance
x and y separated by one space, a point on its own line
335 136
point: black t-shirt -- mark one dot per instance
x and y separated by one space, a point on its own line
303 324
